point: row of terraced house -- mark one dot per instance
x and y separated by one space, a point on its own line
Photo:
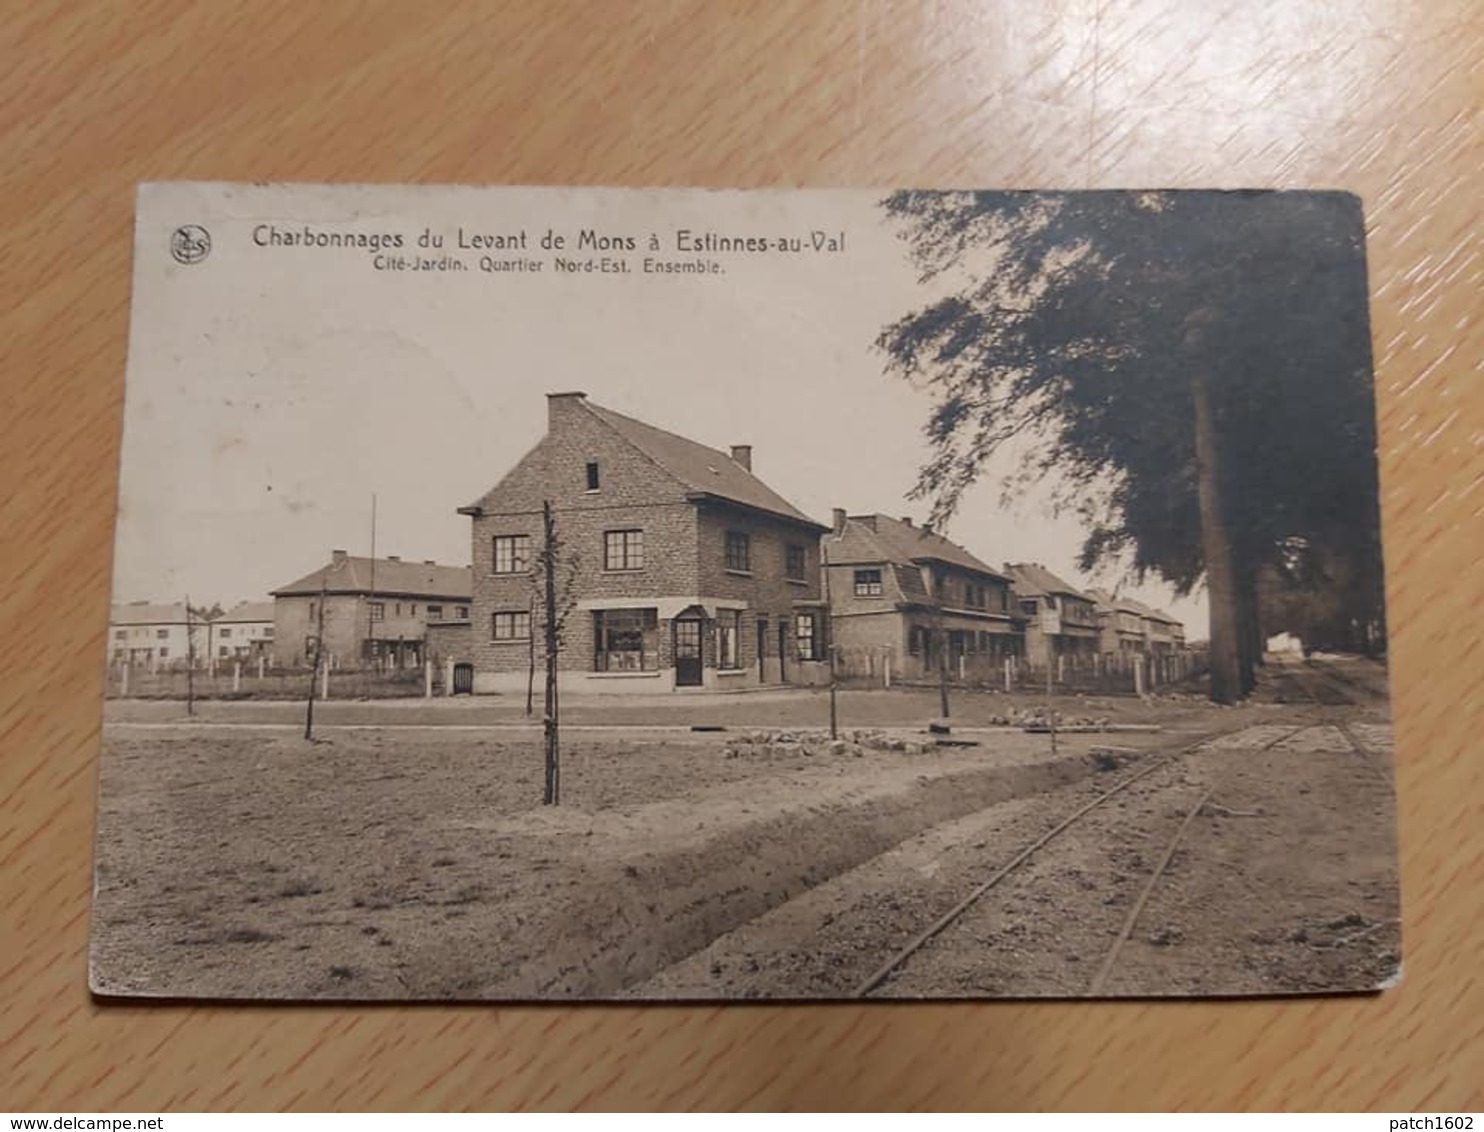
680 568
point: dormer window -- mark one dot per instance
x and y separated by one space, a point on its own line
592 475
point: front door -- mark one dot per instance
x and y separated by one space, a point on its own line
463 679
782 652
762 649
687 652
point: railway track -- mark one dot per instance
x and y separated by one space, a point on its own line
904 955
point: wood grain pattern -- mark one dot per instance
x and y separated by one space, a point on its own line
1378 96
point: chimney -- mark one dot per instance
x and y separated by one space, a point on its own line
559 406
393 558
907 520
337 558
430 562
839 521
742 454
927 528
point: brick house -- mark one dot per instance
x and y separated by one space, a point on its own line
1061 620
1121 627
376 610
1162 633
244 632
153 635
683 569
901 593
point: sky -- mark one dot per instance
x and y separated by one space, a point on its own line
272 391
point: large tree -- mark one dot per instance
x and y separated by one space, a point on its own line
1190 371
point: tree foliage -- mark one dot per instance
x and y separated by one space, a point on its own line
1071 327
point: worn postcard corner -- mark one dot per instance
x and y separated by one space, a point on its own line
537 594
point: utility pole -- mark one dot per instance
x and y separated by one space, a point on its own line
829 629
553 795
371 649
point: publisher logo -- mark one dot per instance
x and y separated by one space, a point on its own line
190 243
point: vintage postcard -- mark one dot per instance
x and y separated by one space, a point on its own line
585 594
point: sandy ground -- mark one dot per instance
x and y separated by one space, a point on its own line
237 860
421 863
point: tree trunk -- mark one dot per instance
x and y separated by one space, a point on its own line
531 661
190 660
553 795
1226 680
1249 645
319 658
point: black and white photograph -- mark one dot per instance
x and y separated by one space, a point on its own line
552 594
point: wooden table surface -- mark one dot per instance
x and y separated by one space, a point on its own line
1378 96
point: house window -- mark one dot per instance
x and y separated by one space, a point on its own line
511 626
626 640
268 633
399 609
512 554
804 635
224 651
164 653
414 609
162 634
226 632
311 645
623 550
435 612
378 611
794 563
311 611
916 640
739 551
120 634
868 583
463 613
728 640
1028 606
592 476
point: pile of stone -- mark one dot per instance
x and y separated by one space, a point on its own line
817 744
1039 717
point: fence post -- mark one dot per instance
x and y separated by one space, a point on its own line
237 676
886 670
1007 674
324 681
1138 675
427 679
127 666
262 661
448 677
1061 669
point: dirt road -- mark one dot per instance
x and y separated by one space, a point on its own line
1282 881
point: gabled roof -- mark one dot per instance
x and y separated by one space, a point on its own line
150 613
248 611
1033 579
705 471
880 538
393 577
1151 613
1107 602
